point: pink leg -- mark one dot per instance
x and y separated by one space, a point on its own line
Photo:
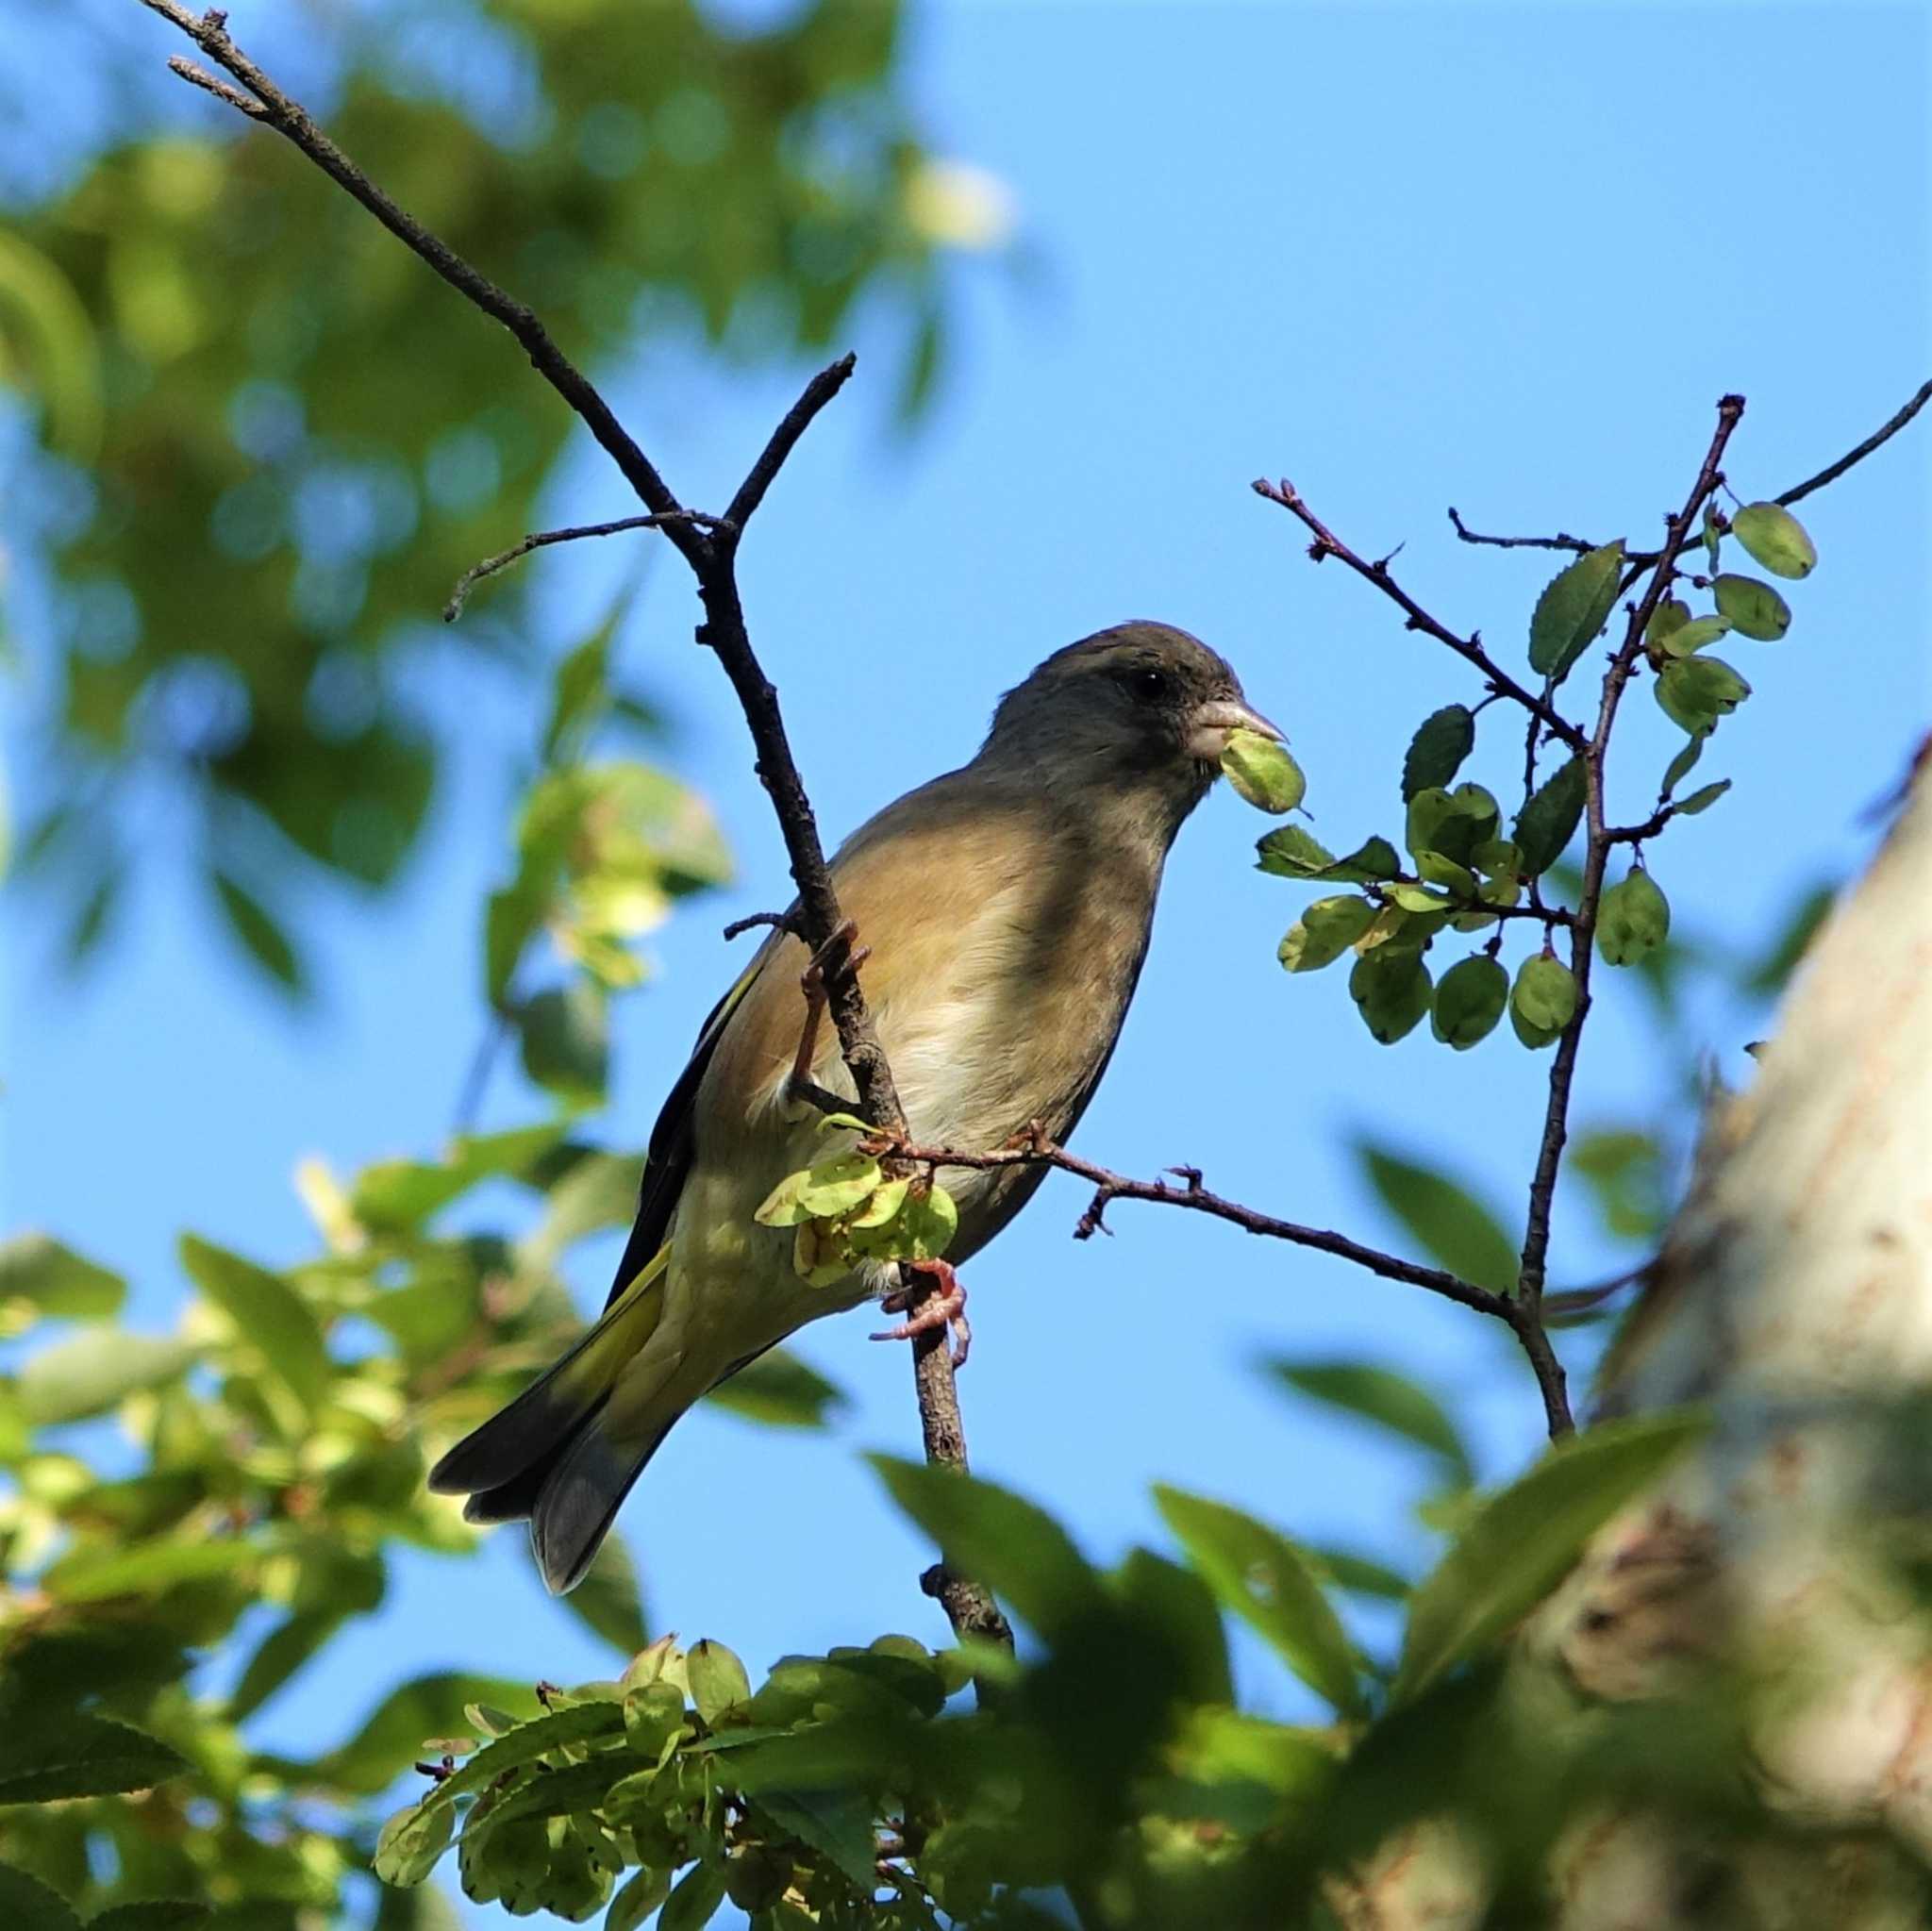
946 1309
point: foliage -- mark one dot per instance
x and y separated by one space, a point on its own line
241 380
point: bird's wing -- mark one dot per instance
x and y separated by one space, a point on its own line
668 1157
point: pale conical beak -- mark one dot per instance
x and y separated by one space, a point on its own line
1209 729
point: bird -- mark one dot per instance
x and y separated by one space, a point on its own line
1005 910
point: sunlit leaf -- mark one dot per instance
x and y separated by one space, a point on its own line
1455 1228
1388 1400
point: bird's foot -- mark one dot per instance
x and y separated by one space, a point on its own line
945 1310
838 953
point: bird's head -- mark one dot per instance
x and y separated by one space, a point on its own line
1141 711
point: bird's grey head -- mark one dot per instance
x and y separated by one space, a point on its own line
1139 711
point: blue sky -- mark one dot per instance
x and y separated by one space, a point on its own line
1496 257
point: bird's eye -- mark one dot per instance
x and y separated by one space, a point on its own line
1148 686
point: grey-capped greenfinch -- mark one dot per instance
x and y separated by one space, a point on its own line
1006 909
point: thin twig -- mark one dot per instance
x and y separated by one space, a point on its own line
1039 1151
1469 649
1542 1189
1560 542
1832 472
782 921
542 539
711 560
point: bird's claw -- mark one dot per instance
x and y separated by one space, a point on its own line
945 1310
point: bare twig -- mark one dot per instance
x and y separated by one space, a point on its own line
1469 649
1037 1150
1583 931
1832 472
710 557
1559 541
782 921
541 539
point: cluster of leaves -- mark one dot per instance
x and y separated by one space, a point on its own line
164 1579
1115 1765
244 382
849 1208
1463 875
604 847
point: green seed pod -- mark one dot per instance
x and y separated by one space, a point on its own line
1776 539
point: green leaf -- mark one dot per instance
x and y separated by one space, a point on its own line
1704 797
267 1312
93 1373
1454 1229
1368 863
564 1036
1625 1173
1679 767
41 1277
279 1655
1545 994
1450 824
83 1756
1753 607
836 1186
1694 692
1769 973
1436 751
26 1904
636 1899
1521 1543
152 1914
261 933
1264 774
1470 998
1175 1602
1012 1546
695 1898
411 1842
718 1681
392 1737
608 1599
1711 534
1387 1399
926 1224
1289 852
1687 639
836 1823
1325 932
1776 539
1633 918
780 1389
580 687
1575 606
1392 991
1548 821
93 1573
1671 614
1268 1581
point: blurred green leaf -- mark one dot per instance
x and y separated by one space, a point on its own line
261 934
1016 1548
694 1898
1455 1230
82 1756
1624 1169
27 1904
152 1914
392 1737
1769 971
268 1312
1436 751
781 1389
89 1576
565 1035
1387 1400
1267 1581
42 1278
93 1373
1574 606
608 1600
1524 1539
1704 797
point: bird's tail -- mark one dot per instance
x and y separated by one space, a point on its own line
553 1456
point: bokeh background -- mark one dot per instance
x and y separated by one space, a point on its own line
1103 265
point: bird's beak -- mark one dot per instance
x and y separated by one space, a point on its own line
1209 727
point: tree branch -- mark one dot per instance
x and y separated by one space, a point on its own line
1469 649
541 539
1583 930
1832 472
1559 541
969 1607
